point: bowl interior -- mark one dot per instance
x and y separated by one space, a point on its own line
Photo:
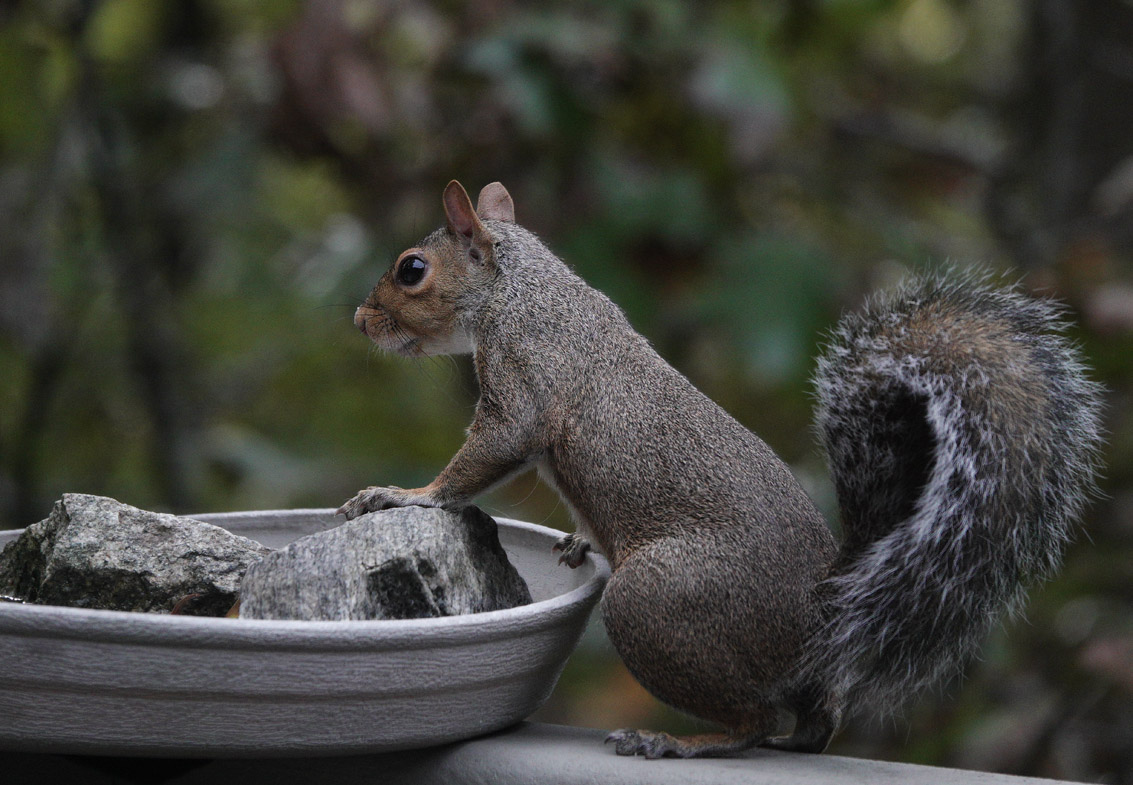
528 545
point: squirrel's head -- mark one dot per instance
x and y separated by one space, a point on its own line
417 307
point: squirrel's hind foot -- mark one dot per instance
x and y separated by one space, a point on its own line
574 548
817 716
657 744
811 738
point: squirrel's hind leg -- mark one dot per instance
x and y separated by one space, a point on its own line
658 744
816 720
707 637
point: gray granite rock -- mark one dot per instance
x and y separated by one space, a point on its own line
95 552
410 562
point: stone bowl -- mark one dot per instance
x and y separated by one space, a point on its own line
113 683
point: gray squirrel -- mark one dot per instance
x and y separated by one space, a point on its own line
960 428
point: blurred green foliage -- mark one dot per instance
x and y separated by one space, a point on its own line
195 195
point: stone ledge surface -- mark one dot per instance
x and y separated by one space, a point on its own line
526 754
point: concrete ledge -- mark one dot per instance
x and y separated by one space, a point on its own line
527 754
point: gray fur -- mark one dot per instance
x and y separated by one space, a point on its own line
728 598
963 436
715 547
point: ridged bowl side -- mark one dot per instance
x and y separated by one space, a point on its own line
107 682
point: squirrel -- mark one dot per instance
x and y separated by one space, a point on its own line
958 421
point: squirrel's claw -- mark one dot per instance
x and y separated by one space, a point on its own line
377 498
574 548
359 504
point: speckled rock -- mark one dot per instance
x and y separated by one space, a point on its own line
410 562
95 552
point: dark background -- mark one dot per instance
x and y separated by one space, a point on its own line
195 195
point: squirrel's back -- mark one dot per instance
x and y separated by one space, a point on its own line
632 445
962 436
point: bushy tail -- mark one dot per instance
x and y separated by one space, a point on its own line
963 438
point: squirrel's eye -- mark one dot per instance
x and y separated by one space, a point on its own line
411 270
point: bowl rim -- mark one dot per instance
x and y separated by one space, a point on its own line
165 630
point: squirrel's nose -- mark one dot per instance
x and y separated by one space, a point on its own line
360 318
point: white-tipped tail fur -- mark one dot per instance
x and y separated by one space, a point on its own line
962 435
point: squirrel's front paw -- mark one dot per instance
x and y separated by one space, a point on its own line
574 548
377 498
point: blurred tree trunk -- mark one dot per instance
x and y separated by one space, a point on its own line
1069 121
141 243
148 255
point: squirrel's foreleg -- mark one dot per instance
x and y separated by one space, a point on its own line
488 456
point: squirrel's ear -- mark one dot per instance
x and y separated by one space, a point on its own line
462 219
495 204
